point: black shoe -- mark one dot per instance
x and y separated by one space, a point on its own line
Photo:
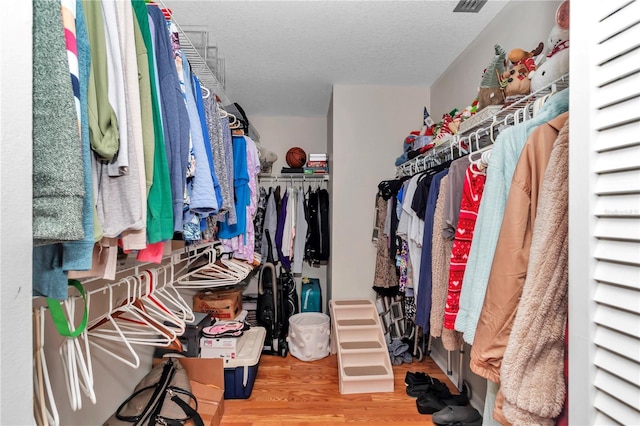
428 403
457 415
418 377
434 387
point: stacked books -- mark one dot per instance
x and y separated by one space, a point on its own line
316 164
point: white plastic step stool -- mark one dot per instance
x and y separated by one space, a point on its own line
358 339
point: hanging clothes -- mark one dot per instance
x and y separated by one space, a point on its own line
440 262
243 244
282 218
175 119
197 91
120 187
503 160
223 170
532 376
457 175
469 205
300 237
135 237
202 197
241 189
385 278
411 229
270 228
317 248
258 221
77 254
159 201
509 268
423 296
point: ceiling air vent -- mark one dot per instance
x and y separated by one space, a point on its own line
473 6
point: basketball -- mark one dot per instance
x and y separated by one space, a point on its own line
296 157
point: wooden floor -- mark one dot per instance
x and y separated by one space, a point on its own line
288 391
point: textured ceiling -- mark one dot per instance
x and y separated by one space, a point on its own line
282 57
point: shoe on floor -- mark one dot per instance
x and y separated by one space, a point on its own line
412 378
428 403
435 387
457 415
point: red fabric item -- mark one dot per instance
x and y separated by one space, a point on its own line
426 148
153 253
471 196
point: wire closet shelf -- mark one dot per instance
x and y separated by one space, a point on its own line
481 133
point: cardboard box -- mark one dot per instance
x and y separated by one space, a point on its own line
207 384
220 304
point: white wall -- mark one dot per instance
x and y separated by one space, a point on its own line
16 405
369 127
279 133
520 24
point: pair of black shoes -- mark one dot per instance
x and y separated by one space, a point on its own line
418 383
433 397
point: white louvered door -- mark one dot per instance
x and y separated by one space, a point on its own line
604 214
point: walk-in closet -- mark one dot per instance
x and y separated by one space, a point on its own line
320 212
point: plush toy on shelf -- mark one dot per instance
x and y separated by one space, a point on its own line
528 59
556 61
489 92
515 81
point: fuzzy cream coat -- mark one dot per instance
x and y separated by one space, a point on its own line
532 380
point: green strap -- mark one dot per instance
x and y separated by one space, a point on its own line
59 317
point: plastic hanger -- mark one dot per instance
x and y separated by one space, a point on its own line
206 92
172 298
44 396
156 307
94 331
211 274
140 327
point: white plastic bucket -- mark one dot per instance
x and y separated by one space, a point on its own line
309 335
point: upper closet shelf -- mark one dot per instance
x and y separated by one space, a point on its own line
200 68
293 177
481 131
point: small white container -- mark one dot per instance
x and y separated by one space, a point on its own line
309 335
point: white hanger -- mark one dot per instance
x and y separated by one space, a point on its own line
209 275
207 92
172 298
94 330
44 395
77 366
140 327
156 307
